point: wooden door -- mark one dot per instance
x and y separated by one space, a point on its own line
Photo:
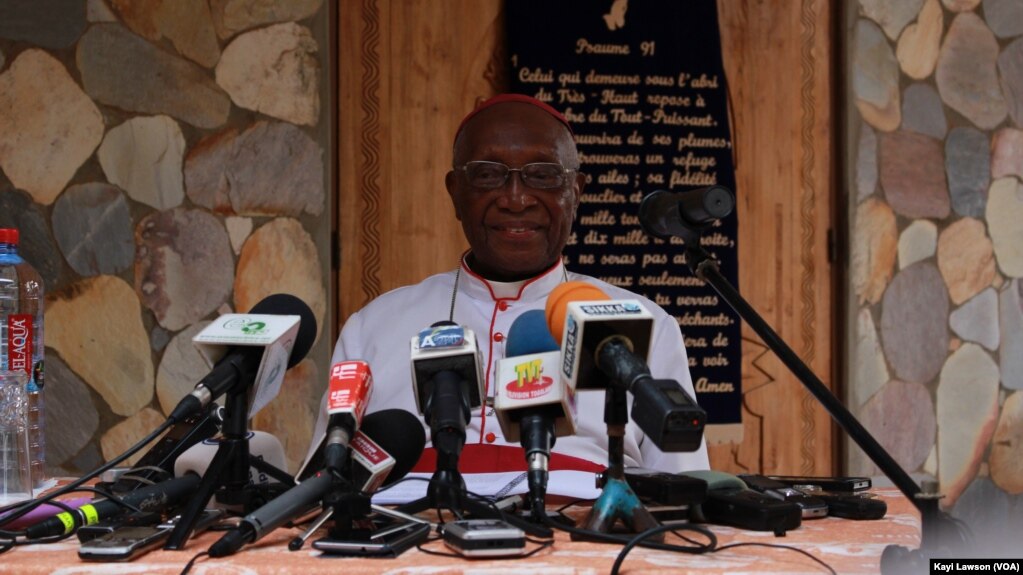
778 58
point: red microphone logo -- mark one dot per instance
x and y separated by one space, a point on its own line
350 385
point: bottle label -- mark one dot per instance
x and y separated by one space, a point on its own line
19 342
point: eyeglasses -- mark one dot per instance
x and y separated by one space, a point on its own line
539 175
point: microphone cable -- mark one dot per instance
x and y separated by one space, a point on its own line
696 549
21 508
639 538
439 526
598 536
541 545
488 501
191 562
159 471
13 541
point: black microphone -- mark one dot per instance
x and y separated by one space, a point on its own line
447 379
660 407
663 214
393 430
239 366
400 434
152 498
609 340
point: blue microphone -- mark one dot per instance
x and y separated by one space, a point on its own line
529 334
533 404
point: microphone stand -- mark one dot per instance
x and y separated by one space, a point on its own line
617 500
348 507
939 532
447 487
228 473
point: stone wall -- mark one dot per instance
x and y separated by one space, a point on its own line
165 162
935 191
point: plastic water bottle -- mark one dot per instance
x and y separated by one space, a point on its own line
15 465
21 339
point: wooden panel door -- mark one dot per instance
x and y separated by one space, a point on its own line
778 58
409 70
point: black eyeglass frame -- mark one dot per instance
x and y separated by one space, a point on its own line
524 176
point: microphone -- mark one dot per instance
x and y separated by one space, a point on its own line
391 437
663 214
606 342
396 431
533 404
447 377
583 316
447 382
262 340
44 511
152 498
350 387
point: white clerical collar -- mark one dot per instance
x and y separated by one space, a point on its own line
480 288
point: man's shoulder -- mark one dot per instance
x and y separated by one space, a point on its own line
409 295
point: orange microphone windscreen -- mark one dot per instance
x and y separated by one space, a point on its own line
561 296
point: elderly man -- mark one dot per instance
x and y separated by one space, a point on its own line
515 185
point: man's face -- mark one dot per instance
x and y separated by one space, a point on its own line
515 231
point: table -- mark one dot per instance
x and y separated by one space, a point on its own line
848 546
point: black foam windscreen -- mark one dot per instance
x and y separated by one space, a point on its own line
400 434
287 304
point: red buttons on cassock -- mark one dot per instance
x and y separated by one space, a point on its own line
498 336
491 438
502 306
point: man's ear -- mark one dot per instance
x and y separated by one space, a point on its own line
580 184
451 183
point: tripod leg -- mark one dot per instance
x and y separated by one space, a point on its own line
618 501
395 514
210 482
299 541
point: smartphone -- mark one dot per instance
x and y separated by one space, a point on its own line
484 538
124 543
859 505
811 507
833 484
128 541
392 545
